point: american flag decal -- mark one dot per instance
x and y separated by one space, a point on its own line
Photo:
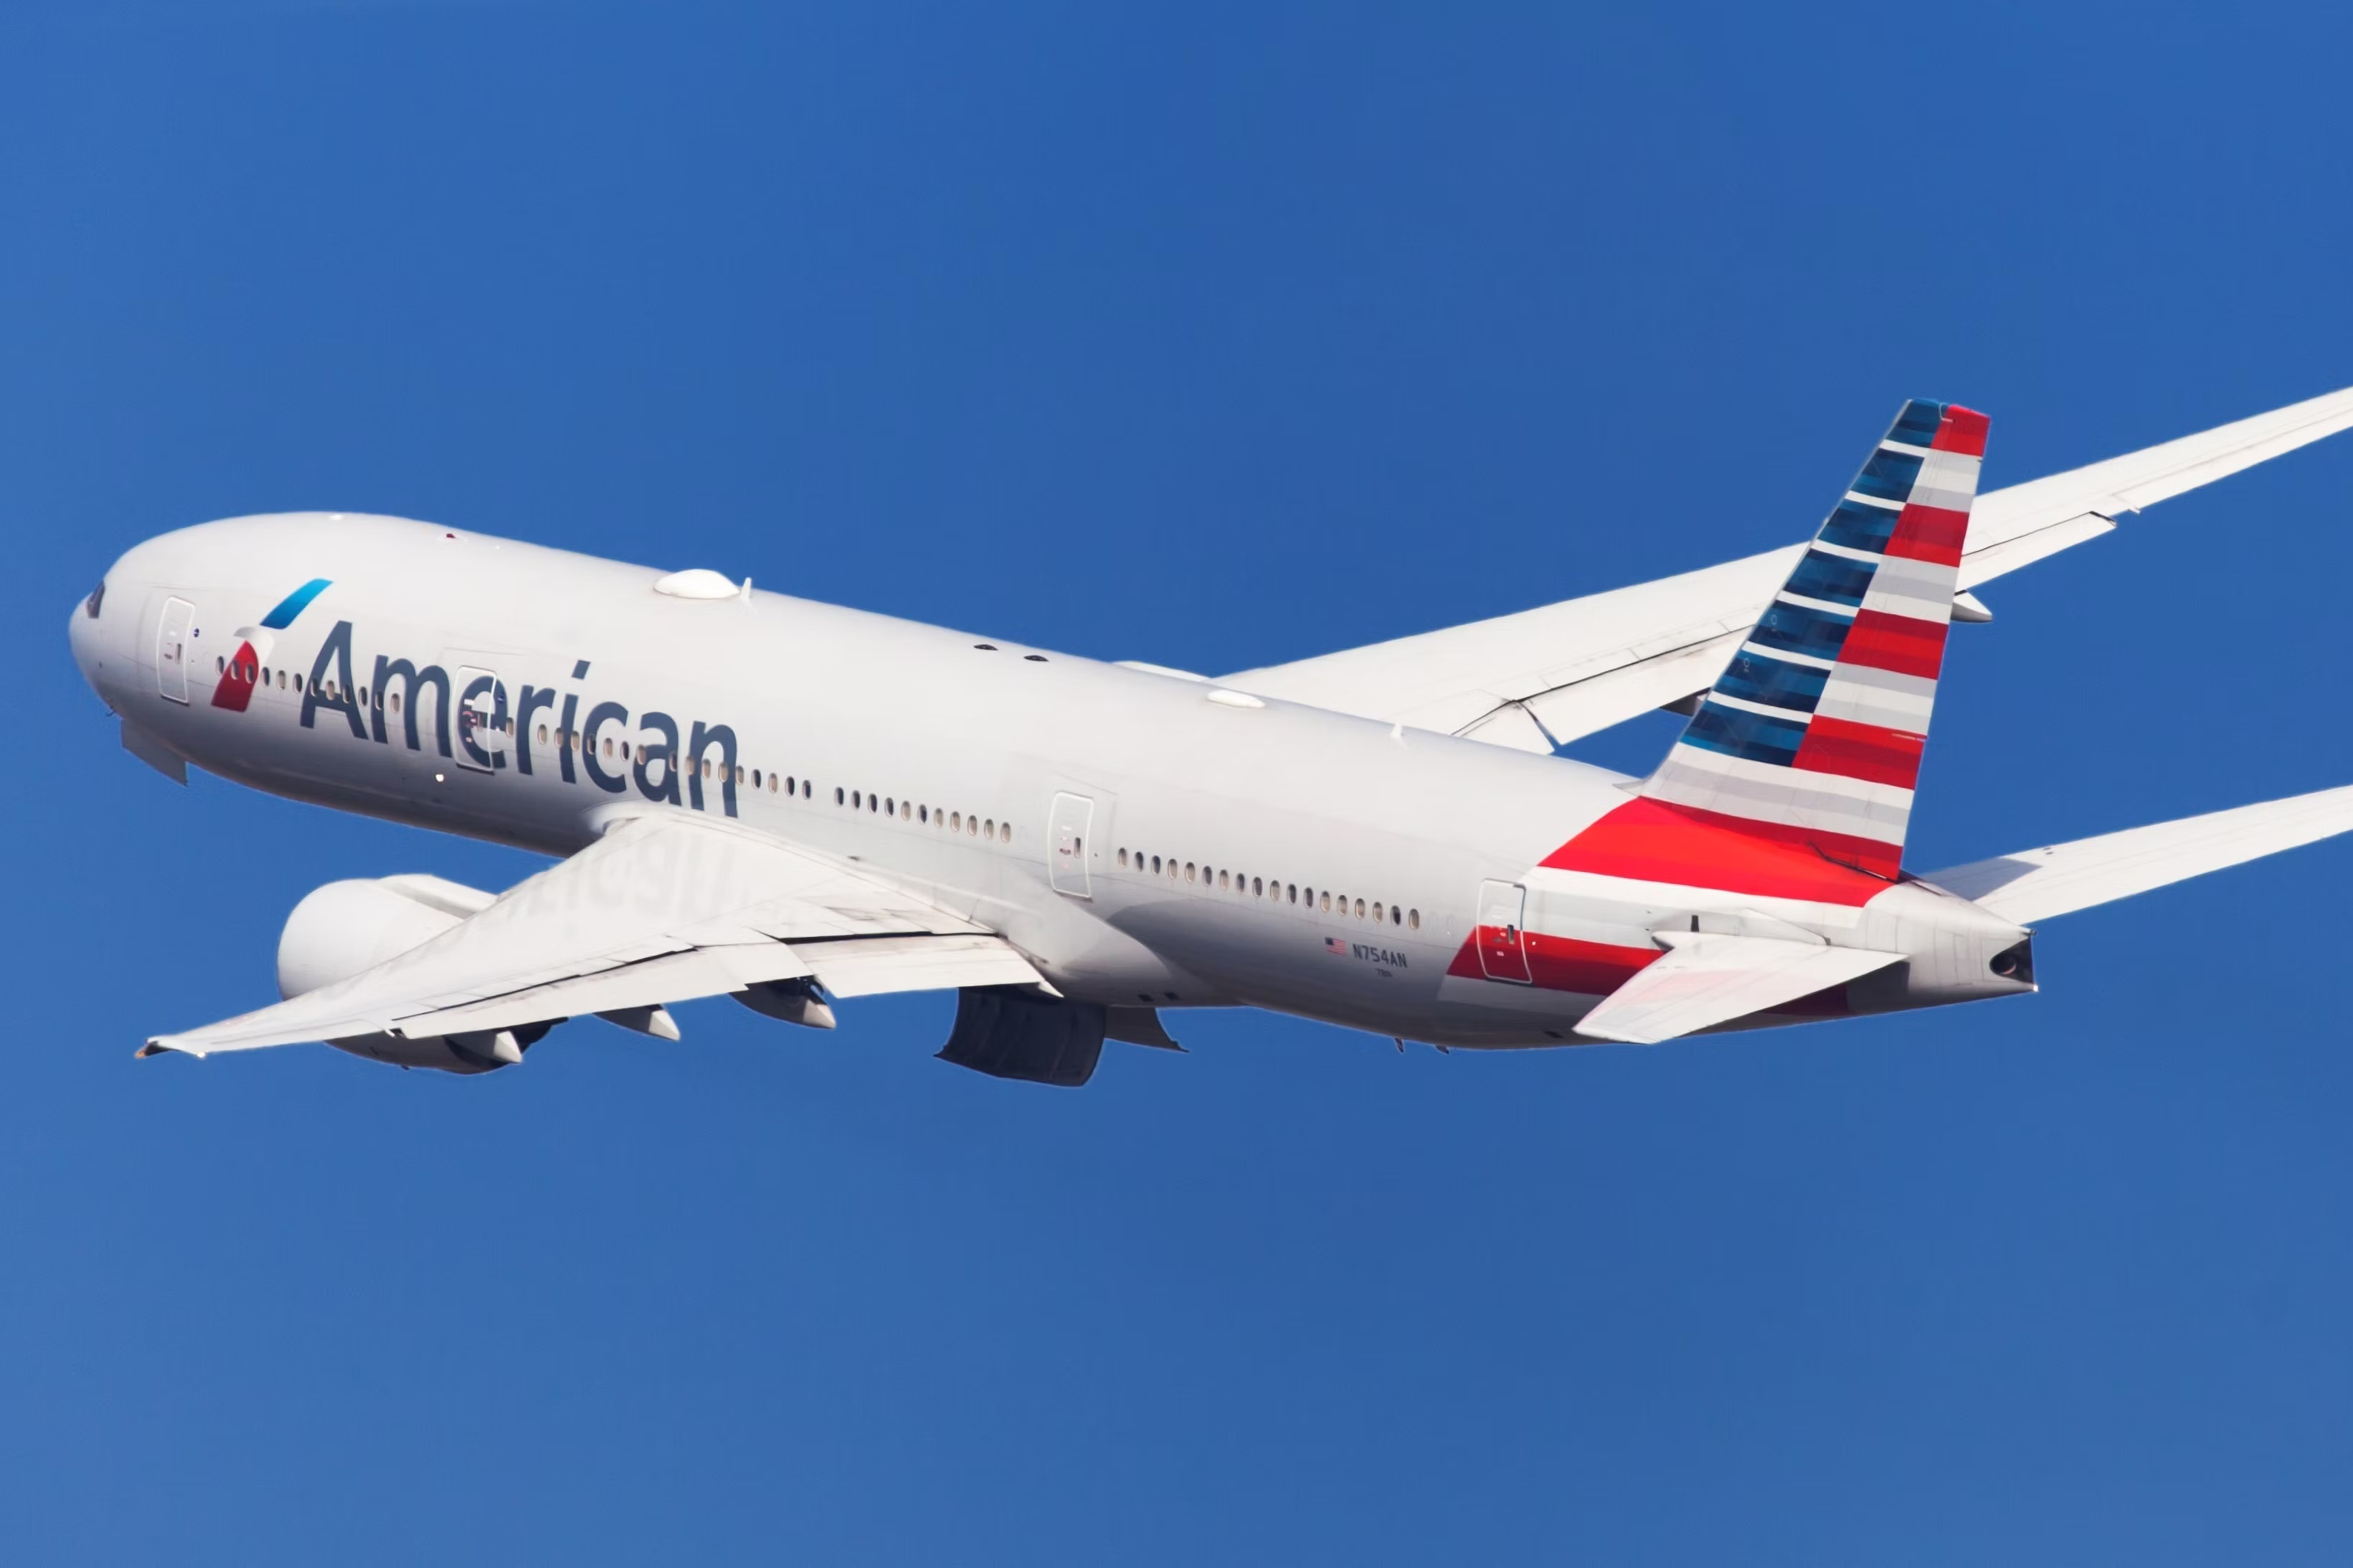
1335 947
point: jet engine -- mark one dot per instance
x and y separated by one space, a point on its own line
343 928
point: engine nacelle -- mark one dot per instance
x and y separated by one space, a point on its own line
340 929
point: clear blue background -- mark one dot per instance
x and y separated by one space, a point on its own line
1213 336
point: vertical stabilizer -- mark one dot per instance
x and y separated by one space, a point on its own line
1813 733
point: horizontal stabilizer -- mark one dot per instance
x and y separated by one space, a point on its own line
1706 979
2036 884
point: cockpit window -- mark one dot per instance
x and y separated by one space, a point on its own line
90 605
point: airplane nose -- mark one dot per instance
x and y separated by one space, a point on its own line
82 637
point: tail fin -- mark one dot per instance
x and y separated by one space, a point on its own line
1813 733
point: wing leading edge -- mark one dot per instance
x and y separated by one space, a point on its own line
662 908
1542 678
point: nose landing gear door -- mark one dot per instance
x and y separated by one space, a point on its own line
171 649
1503 944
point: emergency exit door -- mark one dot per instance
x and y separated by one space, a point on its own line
171 648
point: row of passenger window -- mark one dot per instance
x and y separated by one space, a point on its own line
931 815
1328 902
246 674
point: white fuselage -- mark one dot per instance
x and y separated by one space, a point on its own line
1142 838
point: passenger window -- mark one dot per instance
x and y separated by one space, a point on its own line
971 827
1327 903
1257 888
396 701
1360 908
298 683
836 795
625 751
1413 919
756 778
1122 859
771 783
990 828
956 822
1376 911
1155 865
543 734
923 814
873 803
363 697
1290 892
1189 871
890 808
1221 879
221 664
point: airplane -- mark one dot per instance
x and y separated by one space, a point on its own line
755 795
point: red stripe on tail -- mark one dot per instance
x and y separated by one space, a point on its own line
1963 431
1653 841
1856 751
1878 640
1932 533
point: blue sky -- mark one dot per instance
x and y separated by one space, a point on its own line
1213 336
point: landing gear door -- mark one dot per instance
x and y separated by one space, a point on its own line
1503 944
1066 845
171 649
481 720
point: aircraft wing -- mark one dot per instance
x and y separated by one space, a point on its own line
1707 979
2036 884
1544 677
663 908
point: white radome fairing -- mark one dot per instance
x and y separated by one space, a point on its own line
790 803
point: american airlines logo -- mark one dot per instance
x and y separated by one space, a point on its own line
650 753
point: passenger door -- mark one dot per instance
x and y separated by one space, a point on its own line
1503 944
171 649
1066 845
482 715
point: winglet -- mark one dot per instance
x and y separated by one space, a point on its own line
163 1043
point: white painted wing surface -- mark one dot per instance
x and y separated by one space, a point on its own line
1706 979
1547 676
663 908
2015 527
2036 884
